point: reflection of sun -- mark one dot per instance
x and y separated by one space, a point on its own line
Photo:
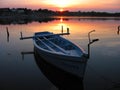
61 19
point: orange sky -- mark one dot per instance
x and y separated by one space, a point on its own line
82 5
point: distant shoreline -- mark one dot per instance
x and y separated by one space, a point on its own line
24 16
45 13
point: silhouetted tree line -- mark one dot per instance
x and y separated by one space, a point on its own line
24 15
92 13
41 13
25 12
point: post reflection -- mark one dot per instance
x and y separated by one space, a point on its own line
7 38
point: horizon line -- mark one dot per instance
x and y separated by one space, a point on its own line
59 10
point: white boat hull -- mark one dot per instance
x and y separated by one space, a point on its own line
69 65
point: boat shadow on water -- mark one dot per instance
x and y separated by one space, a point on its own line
60 78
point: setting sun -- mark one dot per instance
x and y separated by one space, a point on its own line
61 10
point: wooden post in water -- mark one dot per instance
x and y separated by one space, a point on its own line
118 30
21 35
62 29
68 30
119 27
7 34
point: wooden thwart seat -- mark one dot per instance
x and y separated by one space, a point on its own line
61 49
45 44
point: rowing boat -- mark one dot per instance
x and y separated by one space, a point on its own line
60 52
56 46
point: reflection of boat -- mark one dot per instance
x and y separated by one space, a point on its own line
61 79
60 52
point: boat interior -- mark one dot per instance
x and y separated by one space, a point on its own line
57 44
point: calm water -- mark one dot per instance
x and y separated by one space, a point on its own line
31 72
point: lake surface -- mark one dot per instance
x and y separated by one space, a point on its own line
26 72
